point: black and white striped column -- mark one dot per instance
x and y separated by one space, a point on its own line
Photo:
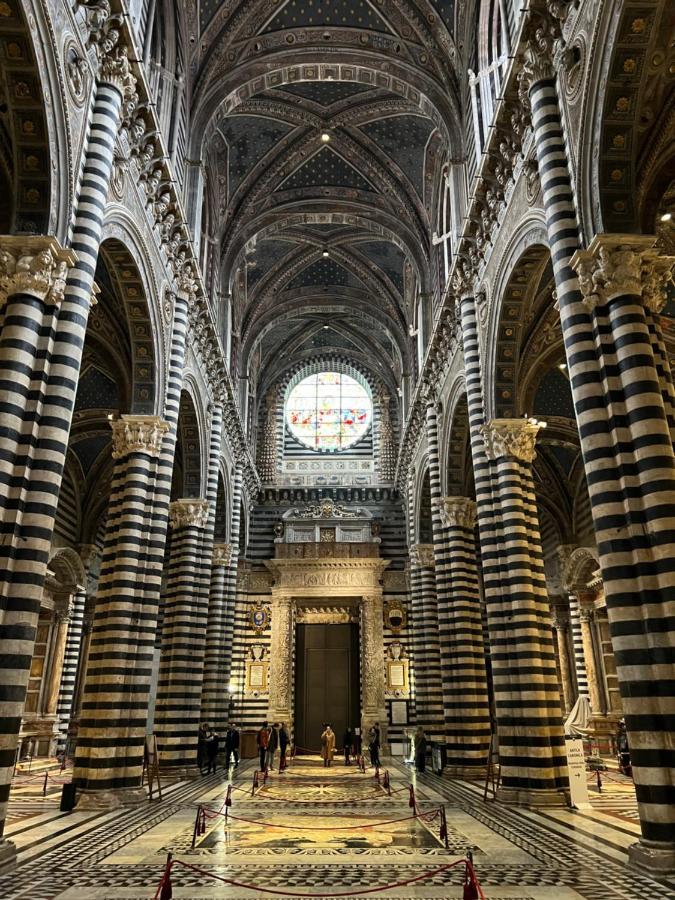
109 754
465 693
71 661
578 646
625 426
179 686
527 693
426 652
218 657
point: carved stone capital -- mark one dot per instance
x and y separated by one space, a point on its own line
464 281
542 34
510 437
189 513
222 554
456 512
138 434
422 556
186 284
620 264
34 265
114 69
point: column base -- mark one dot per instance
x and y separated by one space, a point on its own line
114 798
7 855
524 797
653 857
467 773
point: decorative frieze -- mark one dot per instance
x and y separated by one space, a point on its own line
510 438
422 556
618 264
222 554
456 512
138 434
189 513
34 265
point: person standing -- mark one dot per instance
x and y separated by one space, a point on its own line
420 749
201 746
374 745
328 745
263 739
272 747
211 751
347 741
231 746
284 741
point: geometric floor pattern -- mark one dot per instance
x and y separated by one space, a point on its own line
314 832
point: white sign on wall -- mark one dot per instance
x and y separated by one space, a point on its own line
576 765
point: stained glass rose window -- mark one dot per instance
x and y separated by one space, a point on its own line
328 411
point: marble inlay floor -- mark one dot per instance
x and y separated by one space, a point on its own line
317 832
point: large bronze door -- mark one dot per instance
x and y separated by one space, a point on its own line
326 681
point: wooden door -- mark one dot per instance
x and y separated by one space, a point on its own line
327 681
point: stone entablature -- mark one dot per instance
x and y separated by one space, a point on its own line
323 550
344 577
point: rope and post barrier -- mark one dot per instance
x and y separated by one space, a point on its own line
471 885
386 784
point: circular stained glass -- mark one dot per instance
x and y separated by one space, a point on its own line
328 411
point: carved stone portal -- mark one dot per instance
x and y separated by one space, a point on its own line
328 590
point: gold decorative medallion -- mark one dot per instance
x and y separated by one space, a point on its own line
259 617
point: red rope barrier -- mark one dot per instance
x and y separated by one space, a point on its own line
427 816
469 879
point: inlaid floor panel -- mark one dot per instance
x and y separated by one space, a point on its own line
323 832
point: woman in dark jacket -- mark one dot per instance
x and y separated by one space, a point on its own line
201 746
420 749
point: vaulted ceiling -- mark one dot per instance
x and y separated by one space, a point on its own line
323 126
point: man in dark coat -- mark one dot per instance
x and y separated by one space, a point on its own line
347 741
231 745
284 741
211 751
263 739
272 746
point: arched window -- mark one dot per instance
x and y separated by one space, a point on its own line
329 411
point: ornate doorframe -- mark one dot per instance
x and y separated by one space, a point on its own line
334 583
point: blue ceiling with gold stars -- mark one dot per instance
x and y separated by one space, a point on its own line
324 272
325 93
323 13
326 168
404 139
249 139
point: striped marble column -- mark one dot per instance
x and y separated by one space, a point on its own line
71 661
214 602
109 754
527 694
608 315
561 626
32 285
578 646
218 656
181 665
230 595
425 645
465 693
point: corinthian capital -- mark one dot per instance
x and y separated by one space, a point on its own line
138 434
456 512
464 280
422 556
510 437
542 34
618 264
186 283
222 554
189 513
104 36
34 265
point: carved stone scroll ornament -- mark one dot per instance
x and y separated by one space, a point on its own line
422 556
456 512
138 434
510 438
222 554
618 264
327 509
34 265
188 513
543 34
